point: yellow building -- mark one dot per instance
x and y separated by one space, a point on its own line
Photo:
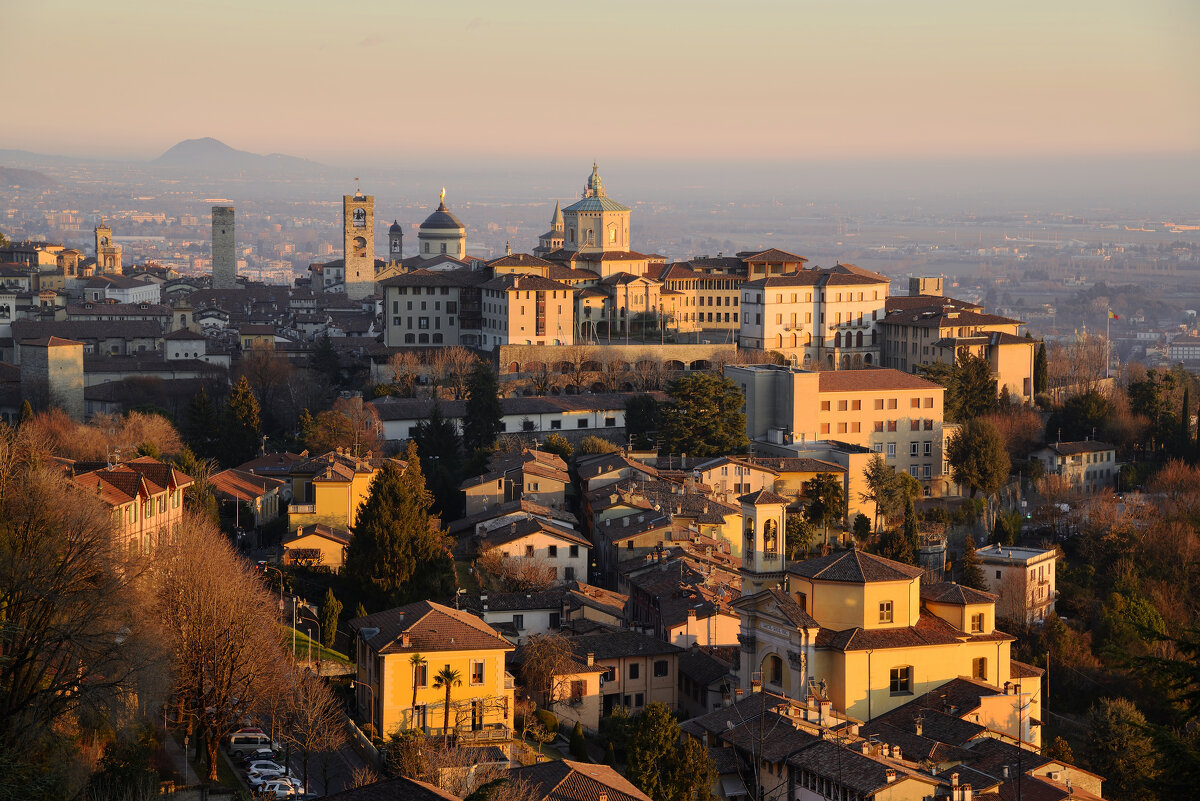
146 499
316 545
330 488
862 628
408 655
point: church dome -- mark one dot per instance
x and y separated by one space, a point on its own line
396 227
442 218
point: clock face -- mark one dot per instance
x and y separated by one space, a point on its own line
360 217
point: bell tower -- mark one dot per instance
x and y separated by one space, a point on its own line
395 242
108 254
763 559
358 244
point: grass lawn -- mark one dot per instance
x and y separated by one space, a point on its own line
466 579
305 646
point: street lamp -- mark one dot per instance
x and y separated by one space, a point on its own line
313 611
264 566
370 687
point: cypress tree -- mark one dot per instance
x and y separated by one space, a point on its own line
437 438
243 425
1185 423
970 572
1041 370
912 535
201 424
26 412
397 553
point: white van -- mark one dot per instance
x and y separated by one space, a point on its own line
244 743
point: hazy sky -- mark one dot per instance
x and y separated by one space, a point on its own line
612 80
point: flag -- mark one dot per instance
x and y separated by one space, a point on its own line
1112 316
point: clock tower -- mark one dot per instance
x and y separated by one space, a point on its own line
108 254
358 244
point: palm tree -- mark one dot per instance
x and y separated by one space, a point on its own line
447 678
417 661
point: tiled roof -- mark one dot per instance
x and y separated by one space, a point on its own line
763 497
430 627
513 601
86 329
872 379
512 282
791 610
508 508
854 566
930 630
1020 670
580 595
914 747
395 789
317 530
242 485
948 592
564 780
862 773
952 318
1073 448
773 256
925 302
702 667
623 643
518 529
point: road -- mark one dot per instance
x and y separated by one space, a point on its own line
337 767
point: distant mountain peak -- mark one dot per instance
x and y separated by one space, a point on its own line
210 153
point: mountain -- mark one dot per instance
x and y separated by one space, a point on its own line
29 179
213 154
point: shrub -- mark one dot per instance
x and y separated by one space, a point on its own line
548 719
578 744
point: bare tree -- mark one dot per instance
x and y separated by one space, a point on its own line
647 371
362 776
517 573
406 369
542 379
316 723
613 371
225 633
578 359
449 368
545 660
1077 367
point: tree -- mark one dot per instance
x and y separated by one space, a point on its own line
880 478
331 612
397 553
977 457
826 500
417 663
578 744
590 445
76 641
481 423
446 678
545 658
1080 417
517 573
437 438
1183 445
1041 372
315 720
406 368
26 412
201 425
861 527
1120 747
1060 751
799 536
664 766
326 361
451 369
970 570
223 626
242 431
558 444
704 416
351 425
641 420
970 387
912 534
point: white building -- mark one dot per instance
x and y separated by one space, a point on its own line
1023 578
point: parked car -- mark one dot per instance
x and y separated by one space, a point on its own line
246 743
262 765
281 788
258 778
258 756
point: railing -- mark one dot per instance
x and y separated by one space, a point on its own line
490 733
302 509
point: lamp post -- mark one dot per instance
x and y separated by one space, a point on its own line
264 566
370 687
312 610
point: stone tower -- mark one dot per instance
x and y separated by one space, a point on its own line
358 244
224 258
395 242
763 557
52 374
108 253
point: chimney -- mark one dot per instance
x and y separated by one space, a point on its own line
891 774
954 778
691 613
865 747
591 658
483 599
885 750
826 712
896 752
602 797
405 639
920 726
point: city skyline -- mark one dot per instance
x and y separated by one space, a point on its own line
384 82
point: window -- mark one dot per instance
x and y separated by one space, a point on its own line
914 403
528 550
634 670
421 674
891 403
891 450
555 425
639 700
979 668
977 623
574 551
891 425
824 428
775 669
885 612
856 405
928 448
518 622
824 406
997 574
843 405
879 425
582 423
568 574
555 619
610 422
578 688
609 674
552 551
913 448
901 681
879 403
660 668
476 671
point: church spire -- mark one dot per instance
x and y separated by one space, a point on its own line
556 222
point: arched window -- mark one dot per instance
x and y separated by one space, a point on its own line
858 339
774 671
423 339
837 339
750 534
410 339
437 339
771 538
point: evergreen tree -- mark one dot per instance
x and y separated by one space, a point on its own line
558 444
665 766
481 423
704 416
579 744
306 427
610 756
978 457
976 387
912 533
1119 743
201 425
1184 442
861 527
242 432
331 611
1041 370
826 501
326 361
641 421
1060 751
970 571
437 438
798 537
360 610
397 553
27 412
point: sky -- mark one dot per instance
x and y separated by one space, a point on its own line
660 80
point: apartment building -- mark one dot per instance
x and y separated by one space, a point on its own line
925 329
1023 580
824 317
1088 466
407 655
433 307
638 669
146 499
526 310
892 413
330 488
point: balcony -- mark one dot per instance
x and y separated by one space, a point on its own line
489 733
302 509
508 680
